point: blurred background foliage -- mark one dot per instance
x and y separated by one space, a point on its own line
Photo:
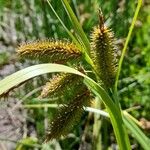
28 20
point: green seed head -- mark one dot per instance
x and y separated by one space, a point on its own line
103 53
68 115
50 50
60 84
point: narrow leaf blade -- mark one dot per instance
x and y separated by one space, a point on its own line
77 25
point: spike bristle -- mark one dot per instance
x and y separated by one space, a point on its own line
50 50
67 116
103 54
59 83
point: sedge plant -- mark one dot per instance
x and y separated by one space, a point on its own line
70 60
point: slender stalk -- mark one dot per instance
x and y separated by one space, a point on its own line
127 41
132 118
85 54
41 105
88 109
120 123
97 139
119 129
137 133
115 95
69 33
77 25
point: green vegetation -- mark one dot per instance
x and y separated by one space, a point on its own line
81 73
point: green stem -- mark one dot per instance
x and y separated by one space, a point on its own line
137 133
97 127
119 129
87 46
115 116
127 41
67 30
77 25
41 105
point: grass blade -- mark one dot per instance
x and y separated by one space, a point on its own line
86 56
77 25
137 133
67 30
28 73
127 41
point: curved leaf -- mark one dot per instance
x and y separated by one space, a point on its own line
28 73
137 133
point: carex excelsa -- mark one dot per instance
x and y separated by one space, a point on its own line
102 53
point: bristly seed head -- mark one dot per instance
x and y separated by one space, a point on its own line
50 50
103 53
68 115
59 83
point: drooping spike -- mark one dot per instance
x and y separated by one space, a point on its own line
50 50
67 116
59 84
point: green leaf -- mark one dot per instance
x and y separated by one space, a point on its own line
28 73
67 30
127 41
84 43
25 143
77 26
137 133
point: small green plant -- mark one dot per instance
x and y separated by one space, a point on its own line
104 63
75 85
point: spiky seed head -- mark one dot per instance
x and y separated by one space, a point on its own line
50 50
68 115
103 53
59 83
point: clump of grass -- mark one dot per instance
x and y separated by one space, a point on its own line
102 52
104 64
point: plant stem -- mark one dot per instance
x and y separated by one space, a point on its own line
115 115
97 127
77 25
85 53
127 41
119 129
137 133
